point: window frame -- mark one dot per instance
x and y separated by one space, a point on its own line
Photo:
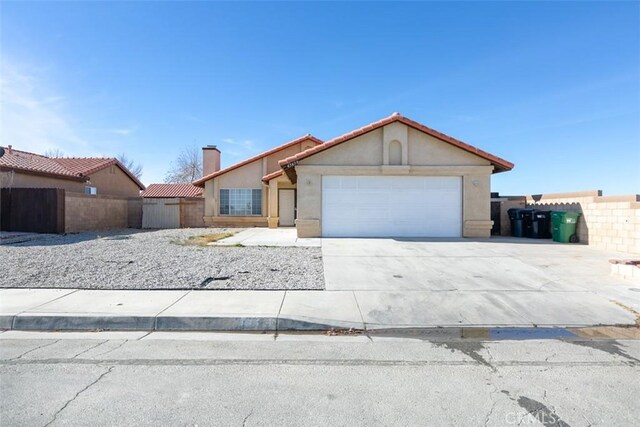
236 194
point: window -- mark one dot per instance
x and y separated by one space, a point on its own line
240 201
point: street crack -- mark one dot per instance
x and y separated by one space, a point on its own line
55 416
90 348
244 421
34 349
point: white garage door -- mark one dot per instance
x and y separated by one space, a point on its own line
391 206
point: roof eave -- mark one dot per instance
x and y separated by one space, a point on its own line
498 162
200 182
43 173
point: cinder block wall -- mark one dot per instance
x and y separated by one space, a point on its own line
134 217
607 222
85 212
509 202
192 212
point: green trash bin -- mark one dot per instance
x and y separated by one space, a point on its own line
564 226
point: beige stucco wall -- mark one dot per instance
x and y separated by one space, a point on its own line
422 155
112 181
12 179
248 176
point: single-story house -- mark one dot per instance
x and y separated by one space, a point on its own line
89 175
236 196
394 177
172 206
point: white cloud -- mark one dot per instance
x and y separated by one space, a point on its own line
238 148
33 118
122 131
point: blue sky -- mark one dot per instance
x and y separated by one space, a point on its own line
552 87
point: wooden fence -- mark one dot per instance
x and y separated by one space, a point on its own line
34 210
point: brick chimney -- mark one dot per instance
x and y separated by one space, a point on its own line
210 160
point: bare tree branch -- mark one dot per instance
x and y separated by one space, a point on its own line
186 168
134 168
54 153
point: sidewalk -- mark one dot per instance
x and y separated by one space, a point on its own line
274 237
199 310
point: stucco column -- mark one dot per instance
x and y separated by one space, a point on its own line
273 218
476 205
309 203
209 202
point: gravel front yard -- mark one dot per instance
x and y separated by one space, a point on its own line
134 259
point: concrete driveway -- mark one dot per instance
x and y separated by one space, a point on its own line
501 281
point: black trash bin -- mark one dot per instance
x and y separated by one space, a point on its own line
527 221
541 227
517 229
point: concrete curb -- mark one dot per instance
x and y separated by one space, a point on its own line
164 323
83 323
278 324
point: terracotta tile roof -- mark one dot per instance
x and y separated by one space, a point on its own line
200 182
35 163
500 165
76 168
85 166
172 190
272 175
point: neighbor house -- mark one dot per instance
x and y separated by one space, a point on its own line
90 175
394 177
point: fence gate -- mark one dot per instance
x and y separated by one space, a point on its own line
161 213
34 210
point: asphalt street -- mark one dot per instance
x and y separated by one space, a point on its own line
202 379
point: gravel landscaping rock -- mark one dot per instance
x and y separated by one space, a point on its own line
135 259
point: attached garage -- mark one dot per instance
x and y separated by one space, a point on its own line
391 206
393 178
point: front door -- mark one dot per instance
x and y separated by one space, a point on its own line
287 207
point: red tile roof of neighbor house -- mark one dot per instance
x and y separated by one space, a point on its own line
171 191
500 165
200 182
31 162
75 168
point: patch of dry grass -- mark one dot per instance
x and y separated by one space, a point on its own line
203 240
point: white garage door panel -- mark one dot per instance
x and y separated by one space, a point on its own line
391 206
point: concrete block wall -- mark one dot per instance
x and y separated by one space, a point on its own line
134 217
607 222
506 203
192 212
86 213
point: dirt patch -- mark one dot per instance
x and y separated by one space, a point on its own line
202 240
